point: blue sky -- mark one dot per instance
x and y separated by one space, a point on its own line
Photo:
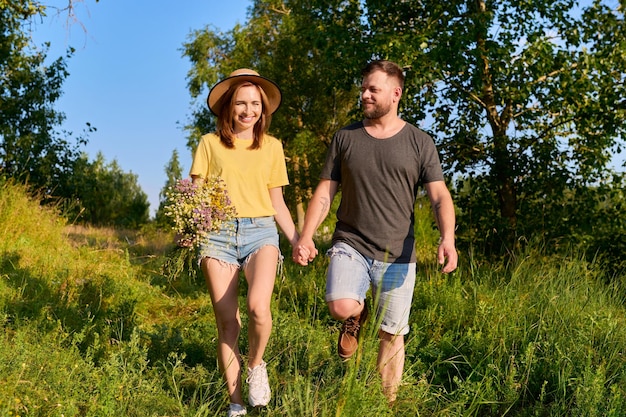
128 77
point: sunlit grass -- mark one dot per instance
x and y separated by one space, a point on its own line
93 326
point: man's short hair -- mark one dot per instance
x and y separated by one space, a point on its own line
390 68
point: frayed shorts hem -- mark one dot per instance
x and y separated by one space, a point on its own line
239 239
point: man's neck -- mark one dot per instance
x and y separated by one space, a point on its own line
384 127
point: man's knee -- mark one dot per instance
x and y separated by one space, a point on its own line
344 308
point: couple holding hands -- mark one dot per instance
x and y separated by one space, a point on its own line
378 162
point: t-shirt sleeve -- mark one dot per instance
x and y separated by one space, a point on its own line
332 166
201 160
278 173
431 164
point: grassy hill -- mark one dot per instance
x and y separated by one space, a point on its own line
101 322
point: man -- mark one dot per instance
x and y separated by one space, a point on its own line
379 163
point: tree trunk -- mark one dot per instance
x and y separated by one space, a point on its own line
507 193
502 166
299 193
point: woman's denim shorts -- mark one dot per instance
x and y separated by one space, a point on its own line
351 275
238 239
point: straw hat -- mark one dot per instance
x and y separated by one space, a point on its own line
271 89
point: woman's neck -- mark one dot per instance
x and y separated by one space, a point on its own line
247 134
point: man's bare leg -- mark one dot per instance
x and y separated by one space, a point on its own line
390 363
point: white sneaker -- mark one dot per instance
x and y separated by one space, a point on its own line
235 410
259 392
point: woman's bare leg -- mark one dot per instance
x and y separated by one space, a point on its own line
222 282
260 273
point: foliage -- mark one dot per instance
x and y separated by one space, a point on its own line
280 40
101 194
31 147
527 101
34 151
313 50
495 343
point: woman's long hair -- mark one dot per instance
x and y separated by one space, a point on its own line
225 122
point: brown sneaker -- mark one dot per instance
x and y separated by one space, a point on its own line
349 334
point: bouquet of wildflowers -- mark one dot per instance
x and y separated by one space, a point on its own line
197 209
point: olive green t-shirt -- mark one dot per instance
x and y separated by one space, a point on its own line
379 180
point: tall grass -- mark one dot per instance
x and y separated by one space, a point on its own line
94 327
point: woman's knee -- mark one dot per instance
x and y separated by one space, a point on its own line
259 313
228 328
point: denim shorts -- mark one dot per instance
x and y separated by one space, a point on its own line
238 239
351 274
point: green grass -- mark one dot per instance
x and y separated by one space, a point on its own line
94 327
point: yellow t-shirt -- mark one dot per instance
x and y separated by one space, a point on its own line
248 174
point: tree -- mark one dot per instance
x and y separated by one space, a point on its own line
32 148
310 48
104 195
174 172
527 99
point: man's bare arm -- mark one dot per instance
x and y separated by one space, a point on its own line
443 209
316 212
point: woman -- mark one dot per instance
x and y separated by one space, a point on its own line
252 165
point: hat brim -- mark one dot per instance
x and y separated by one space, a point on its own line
271 89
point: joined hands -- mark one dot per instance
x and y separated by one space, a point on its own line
304 252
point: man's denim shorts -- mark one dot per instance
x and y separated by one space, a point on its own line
351 274
238 239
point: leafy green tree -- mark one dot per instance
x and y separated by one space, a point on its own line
174 172
527 100
313 50
31 149
104 195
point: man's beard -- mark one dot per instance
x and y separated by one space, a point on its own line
377 112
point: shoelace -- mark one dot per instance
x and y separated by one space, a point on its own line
351 326
255 374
